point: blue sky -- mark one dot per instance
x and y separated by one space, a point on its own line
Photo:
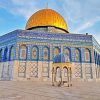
82 16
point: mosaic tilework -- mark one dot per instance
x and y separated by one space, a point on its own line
77 70
74 39
34 69
30 39
45 69
88 71
6 70
22 69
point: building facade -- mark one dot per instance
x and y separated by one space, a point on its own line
30 54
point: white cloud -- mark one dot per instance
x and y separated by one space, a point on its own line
23 8
87 24
82 15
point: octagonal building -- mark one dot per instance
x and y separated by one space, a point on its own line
46 42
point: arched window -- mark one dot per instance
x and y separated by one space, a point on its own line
87 55
35 53
1 55
6 54
46 53
67 55
58 72
56 51
65 72
77 55
11 53
23 52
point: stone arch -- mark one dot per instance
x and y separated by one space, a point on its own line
23 52
11 53
5 54
58 74
35 53
58 71
65 72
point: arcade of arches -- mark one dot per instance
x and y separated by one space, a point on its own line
61 74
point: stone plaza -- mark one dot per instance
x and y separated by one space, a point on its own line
32 90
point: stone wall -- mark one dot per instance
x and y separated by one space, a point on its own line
42 71
6 70
32 70
84 71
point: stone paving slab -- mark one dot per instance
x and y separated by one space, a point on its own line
30 90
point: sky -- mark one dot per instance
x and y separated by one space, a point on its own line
82 16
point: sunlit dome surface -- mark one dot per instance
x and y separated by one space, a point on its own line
46 17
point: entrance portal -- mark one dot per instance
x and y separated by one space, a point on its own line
61 71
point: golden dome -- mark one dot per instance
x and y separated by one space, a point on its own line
46 17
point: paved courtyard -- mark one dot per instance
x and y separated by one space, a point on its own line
21 90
